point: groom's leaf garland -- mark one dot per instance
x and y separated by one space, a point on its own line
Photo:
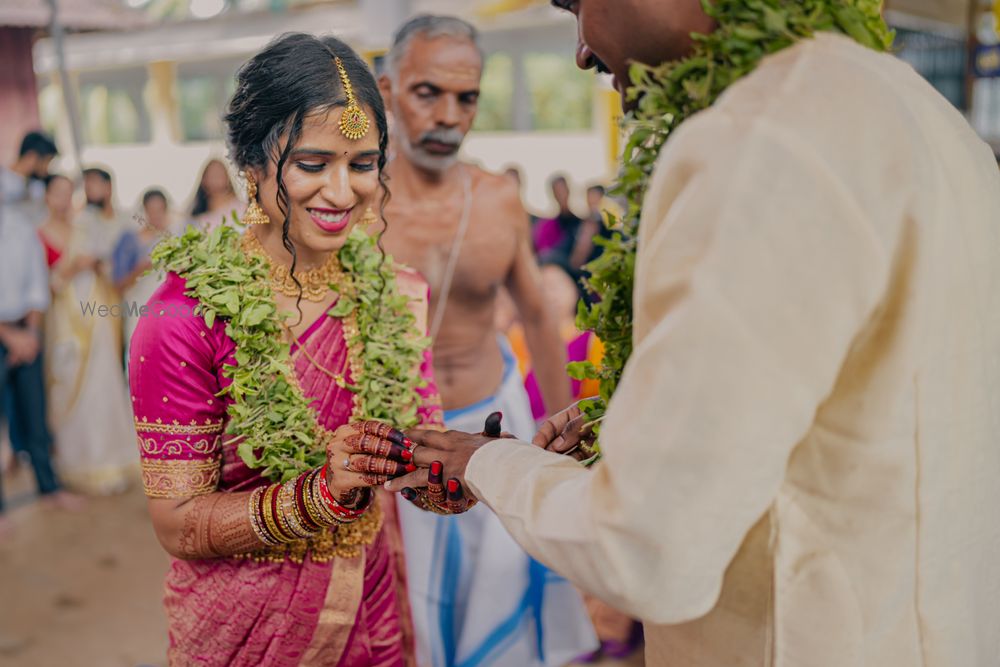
280 433
748 30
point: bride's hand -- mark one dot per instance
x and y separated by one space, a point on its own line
446 455
362 455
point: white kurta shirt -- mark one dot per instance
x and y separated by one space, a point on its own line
24 275
802 461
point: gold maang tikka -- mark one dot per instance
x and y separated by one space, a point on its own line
254 215
354 122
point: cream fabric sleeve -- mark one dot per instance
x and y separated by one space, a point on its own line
757 270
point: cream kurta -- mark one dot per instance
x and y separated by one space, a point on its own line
803 458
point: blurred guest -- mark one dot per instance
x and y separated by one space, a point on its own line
102 224
594 226
22 185
215 199
88 402
22 191
130 262
555 237
562 294
24 297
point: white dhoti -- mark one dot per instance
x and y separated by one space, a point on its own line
478 599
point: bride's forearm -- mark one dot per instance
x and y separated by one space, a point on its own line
218 524
210 526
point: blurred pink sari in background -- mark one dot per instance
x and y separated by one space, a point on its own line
324 610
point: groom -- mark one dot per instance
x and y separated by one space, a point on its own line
800 462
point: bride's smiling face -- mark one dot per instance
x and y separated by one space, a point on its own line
329 181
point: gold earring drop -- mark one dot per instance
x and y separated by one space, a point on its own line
254 214
368 219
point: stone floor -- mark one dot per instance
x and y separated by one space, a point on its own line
85 588
80 588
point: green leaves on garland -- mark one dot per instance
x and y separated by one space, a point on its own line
391 347
280 434
666 96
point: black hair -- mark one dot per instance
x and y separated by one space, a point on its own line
97 171
597 188
558 178
39 143
201 196
153 193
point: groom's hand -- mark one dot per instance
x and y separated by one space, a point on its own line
564 433
452 449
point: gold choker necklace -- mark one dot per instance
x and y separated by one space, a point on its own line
315 282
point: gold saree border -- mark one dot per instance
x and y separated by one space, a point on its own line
339 612
180 479
176 428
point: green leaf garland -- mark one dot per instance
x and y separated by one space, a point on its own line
747 31
278 429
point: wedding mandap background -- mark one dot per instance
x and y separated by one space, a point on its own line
120 81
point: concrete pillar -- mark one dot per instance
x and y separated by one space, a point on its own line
521 111
163 111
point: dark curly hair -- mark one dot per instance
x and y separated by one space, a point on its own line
294 77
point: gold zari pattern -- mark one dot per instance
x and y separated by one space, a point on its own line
341 541
180 479
176 428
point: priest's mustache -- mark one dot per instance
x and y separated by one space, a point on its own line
447 136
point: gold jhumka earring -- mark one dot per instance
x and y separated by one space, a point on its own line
354 122
254 214
368 219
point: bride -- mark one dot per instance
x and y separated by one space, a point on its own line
260 374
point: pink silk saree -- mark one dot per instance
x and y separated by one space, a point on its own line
346 611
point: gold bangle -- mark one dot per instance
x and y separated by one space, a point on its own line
280 517
315 514
281 513
290 511
270 520
326 516
257 521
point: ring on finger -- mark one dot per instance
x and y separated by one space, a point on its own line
347 462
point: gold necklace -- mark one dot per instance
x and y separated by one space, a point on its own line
315 282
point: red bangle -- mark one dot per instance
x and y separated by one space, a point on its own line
335 507
300 502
